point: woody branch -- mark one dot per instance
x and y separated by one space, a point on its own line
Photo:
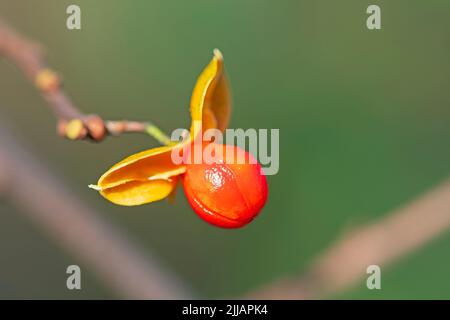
71 122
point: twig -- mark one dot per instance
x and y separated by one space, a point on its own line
381 243
79 229
72 123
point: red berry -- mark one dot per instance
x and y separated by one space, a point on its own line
226 193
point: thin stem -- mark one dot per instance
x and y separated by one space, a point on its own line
159 135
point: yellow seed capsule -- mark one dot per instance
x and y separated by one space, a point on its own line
152 175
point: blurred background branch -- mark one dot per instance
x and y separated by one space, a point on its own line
45 200
381 243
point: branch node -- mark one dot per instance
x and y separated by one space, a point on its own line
47 81
75 129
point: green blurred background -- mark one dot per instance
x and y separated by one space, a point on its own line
363 118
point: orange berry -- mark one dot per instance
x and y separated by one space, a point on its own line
226 193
